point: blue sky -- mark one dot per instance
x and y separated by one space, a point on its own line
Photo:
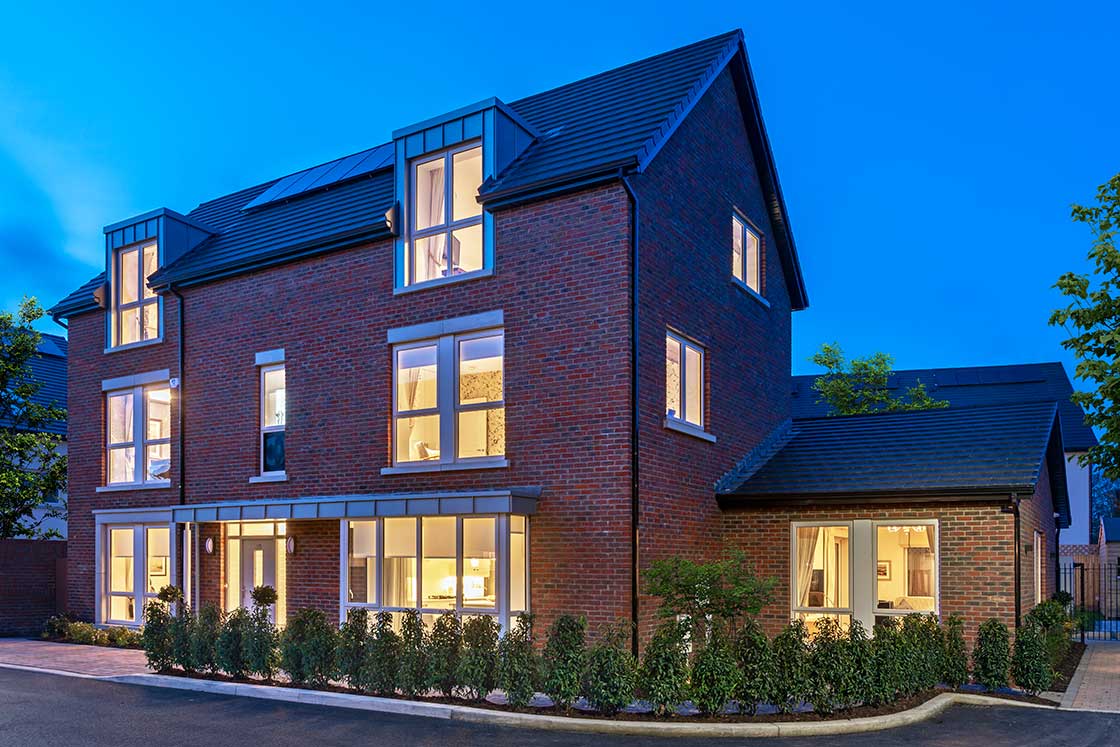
928 157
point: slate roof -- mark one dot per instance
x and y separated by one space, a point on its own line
604 125
1111 528
979 385
955 452
49 368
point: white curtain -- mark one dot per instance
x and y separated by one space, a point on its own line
806 548
435 203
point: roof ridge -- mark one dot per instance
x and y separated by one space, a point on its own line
932 410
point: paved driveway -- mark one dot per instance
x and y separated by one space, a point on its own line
44 709
95 661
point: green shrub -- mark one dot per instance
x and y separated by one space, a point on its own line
307 648
564 659
1030 664
790 652
56 627
478 666
862 656
756 663
992 656
204 638
263 596
170 594
412 668
122 637
1062 597
259 641
611 672
715 674
889 664
1056 628
156 636
379 667
954 653
518 668
445 645
663 676
228 650
832 678
181 632
86 633
922 644
353 640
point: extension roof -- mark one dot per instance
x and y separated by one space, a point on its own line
599 128
978 385
958 453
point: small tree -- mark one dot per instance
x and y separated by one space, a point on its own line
715 674
412 662
228 648
608 680
260 638
863 663
379 669
157 636
992 656
353 642
1092 320
307 648
32 469
831 674
861 386
518 668
204 638
478 665
564 660
445 646
1030 664
756 662
791 667
663 675
954 657
707 594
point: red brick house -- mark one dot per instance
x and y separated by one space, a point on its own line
529 344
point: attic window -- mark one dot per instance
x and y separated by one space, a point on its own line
445 237
135 316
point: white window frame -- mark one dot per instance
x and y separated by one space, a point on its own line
501 609
935 524
449 225
795 608
141 597
282 428
447 404
142 300
676 422
740 228
140 441
1038 566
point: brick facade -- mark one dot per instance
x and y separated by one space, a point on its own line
30 572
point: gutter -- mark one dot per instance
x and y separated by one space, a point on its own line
635 515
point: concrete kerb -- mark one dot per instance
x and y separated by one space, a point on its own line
929 709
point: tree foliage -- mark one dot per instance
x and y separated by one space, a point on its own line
1092 319
32 471
861 386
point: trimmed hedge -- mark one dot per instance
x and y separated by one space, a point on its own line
991 658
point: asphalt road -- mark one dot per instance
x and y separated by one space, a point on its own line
43 709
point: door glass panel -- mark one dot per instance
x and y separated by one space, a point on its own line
258 567
439 579
362 587
479 562
121 569
258 529
399 572
466 171
158 560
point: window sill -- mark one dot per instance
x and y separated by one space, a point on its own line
440 282
273 477
133 486
134 345
689 430
408 469
749 291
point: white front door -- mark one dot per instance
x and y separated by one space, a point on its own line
258 568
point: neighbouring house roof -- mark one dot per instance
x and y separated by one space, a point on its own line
979 385
957 453
49 369
1111 527
601 127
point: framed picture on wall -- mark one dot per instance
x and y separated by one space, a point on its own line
883 570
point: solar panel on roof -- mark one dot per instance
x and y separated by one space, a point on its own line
324 175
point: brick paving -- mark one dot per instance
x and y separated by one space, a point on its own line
1096 685
94 661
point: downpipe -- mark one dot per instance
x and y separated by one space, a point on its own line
635 515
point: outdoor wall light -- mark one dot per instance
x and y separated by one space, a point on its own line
208 545
290 544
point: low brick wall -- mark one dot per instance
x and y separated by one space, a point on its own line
32 572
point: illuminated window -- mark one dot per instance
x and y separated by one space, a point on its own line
128 586
449 399
822 580
745 254
273 417
905 568
438 578
138 448
445 237
684 381
135 316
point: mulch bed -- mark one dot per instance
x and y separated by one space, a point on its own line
1067 667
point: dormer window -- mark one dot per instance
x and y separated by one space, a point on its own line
446 234
135 305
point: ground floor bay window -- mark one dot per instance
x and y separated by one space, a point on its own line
863 569
474 565
136 564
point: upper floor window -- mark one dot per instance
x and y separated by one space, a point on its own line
138 438
135 305
449 400
745 252
446 228
684 381
274 413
